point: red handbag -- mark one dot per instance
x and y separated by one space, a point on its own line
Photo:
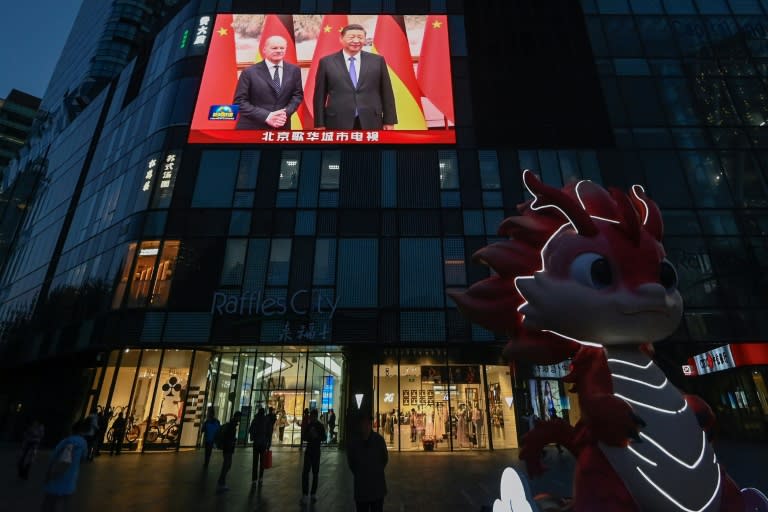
267 460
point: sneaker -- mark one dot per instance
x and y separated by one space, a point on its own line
314 498
304 499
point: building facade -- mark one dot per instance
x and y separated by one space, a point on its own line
161 277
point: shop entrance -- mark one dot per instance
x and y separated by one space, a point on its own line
428 407
163 395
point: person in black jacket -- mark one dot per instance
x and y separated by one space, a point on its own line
259 435
226 440
315 434
367 457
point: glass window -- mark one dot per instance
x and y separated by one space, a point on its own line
124 276
421 273
325 262
712 6
289 170
388 179
747 183
697 282
493 220
330 170
279 261
165 271
706 179
234 260
240 223
166 180
631 67
679 7
249 170
453 262
489 170
358 273
305 222
665 183
745 6
474 222
216 179
657 36
613 6
646 6
142 274
622 36
164 423
449 170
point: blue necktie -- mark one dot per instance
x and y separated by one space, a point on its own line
353 71
276 78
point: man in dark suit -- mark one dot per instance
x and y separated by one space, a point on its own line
353 89
270 91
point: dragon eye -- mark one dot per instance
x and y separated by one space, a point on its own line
592 270
667 275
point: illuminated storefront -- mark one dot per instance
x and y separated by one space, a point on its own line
427 403
164 394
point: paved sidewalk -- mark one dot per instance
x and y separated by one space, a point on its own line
417 481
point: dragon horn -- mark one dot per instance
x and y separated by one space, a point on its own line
649 213
554 198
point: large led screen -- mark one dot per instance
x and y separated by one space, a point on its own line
326 79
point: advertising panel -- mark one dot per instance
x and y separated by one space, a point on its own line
326 79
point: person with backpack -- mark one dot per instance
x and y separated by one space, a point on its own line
226 440
211 427
64 468
259 435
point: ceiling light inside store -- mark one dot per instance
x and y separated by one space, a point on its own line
329 364
271 365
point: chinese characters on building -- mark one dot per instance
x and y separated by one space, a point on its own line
321 136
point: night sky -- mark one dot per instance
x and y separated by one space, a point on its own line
31 40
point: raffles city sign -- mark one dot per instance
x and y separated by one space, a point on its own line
254 302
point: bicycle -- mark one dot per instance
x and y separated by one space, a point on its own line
132 431
164 428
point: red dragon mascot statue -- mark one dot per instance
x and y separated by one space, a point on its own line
583 275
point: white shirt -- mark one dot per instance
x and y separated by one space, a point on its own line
271 68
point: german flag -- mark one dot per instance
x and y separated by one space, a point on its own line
433 73
391 42
220 76
328 42
281 25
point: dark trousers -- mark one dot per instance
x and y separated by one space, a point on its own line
208 452
25 459
54 503
311 460
117 442
258 463
370 506
225 468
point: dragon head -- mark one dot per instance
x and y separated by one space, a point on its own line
580 265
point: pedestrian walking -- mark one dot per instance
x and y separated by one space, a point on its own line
271 420
331 426
259 431
315 434
211 426
282 422
226 440
367 457
92 426
118 433
304 423
64 468
32 436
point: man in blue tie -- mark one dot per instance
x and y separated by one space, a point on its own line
352 88
270 91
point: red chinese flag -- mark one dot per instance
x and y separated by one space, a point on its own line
433 73
328 42
391 42
220 75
